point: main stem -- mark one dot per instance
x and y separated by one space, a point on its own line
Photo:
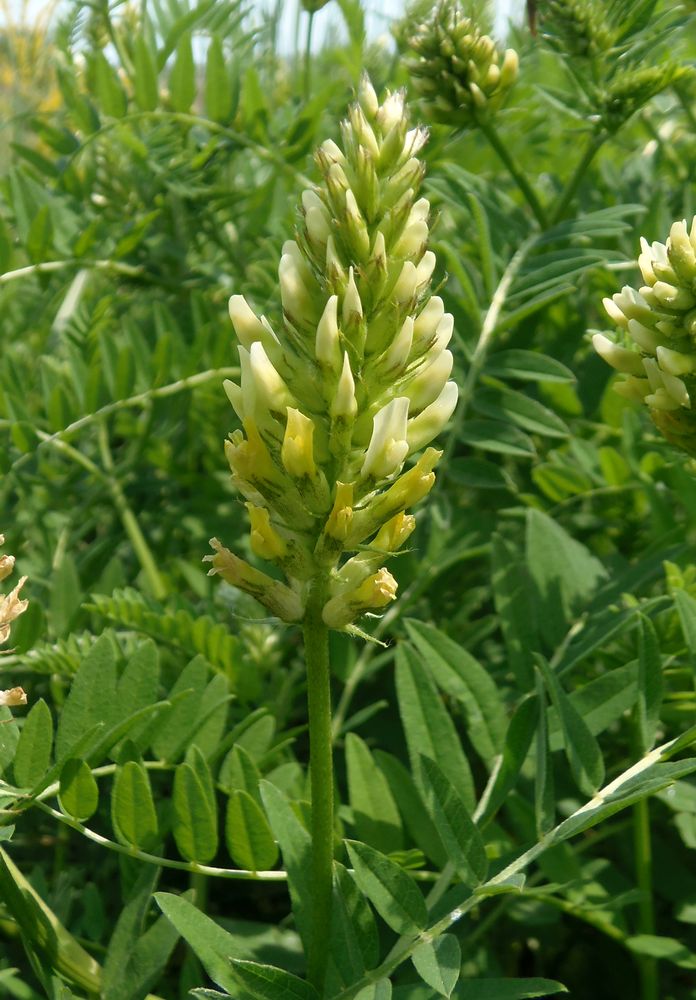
316 643
649 977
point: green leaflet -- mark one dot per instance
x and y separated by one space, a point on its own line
266 982
459 834
136 956
33 754
428 727
79 793
375 816
582 749
650 683
457 673
195 816
182 78
212 945
390 889
295 847
564 573
132 808
438 962
410 803
248 835
92 697
354 935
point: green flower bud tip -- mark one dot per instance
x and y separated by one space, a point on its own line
456 69
659 321
352 381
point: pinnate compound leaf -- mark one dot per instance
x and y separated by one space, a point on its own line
582 749
79 793
195 817
132 808
427 725
266 982
650 683
33 754
459 834
390 889
248 835
438 963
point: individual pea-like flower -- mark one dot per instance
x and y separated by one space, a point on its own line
335 399
659 323
11 607
456 68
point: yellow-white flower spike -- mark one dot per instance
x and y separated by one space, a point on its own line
351 379
660 320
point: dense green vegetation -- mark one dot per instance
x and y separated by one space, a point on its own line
154 792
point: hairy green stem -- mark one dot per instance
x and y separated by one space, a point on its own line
489 131
316 642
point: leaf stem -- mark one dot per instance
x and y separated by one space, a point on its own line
596 141
316 642
130 521
490 132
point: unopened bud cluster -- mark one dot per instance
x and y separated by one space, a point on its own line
11 607
354 381
457 69
580 28
659 319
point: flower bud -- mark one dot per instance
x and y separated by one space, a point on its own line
374 592
246 325
279 599
326 346
297 452
388 445
265 540
15 696
344 404
433 418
